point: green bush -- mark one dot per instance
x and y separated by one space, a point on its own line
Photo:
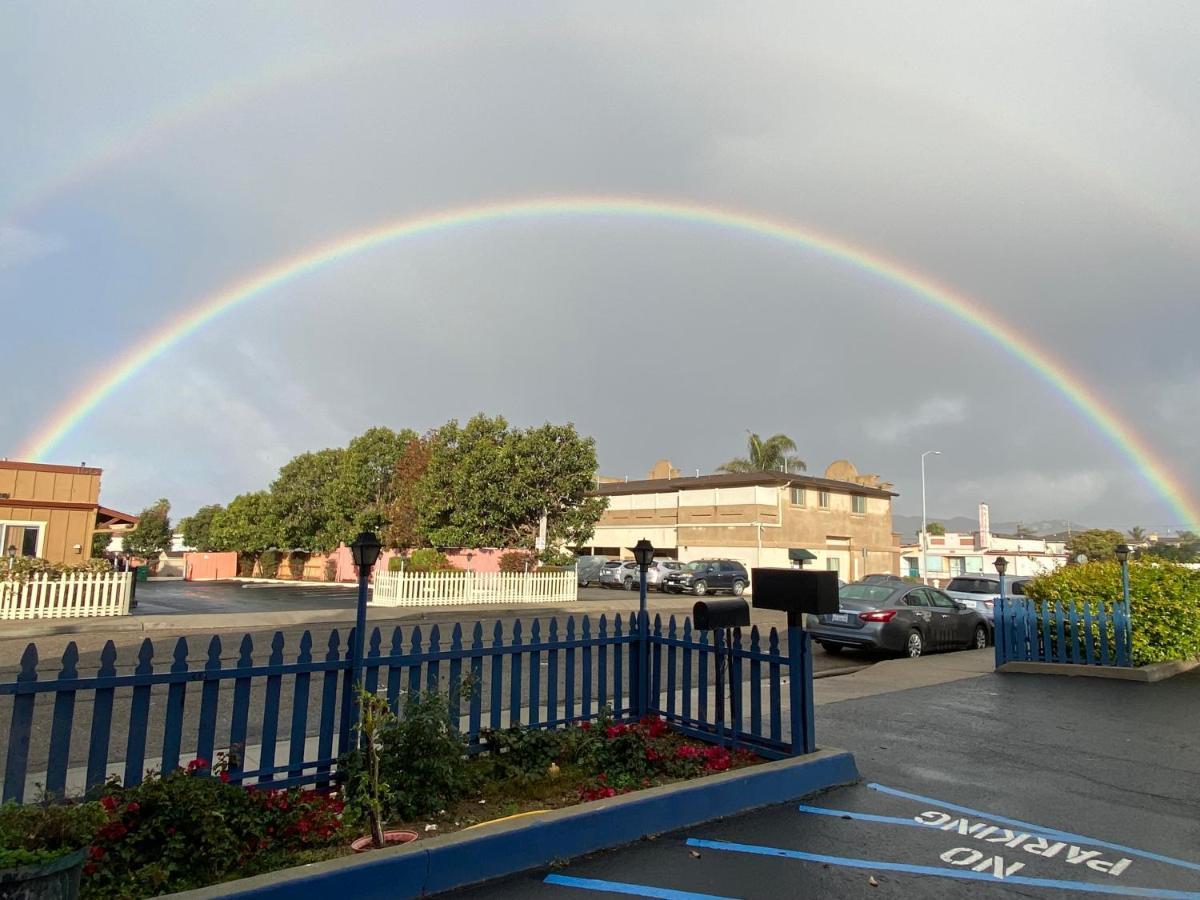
330 570
188 829
517 561
395 563
428 560
423 763
1164 603
296 561
245 565
42 832
268 564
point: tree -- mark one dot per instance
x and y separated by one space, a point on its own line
362 491
196 528
1095 543
304 501
152 534
1184 550
935 528
1025 532
1137 534
401 530
770 455
100 542
248 525
489 486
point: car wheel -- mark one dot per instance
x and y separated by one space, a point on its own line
915 645
700 588
980 641
831 649
738 587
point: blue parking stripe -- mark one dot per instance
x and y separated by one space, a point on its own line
634 890
1050 832
939 872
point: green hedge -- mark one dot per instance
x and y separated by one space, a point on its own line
1164 603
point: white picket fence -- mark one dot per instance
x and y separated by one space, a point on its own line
83 594
452 588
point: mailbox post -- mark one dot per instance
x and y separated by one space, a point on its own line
721 617
798 593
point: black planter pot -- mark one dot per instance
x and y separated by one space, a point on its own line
55 880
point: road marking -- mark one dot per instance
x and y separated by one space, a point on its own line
1047 832
634 890
1123 890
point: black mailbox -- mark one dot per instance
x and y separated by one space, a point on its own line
795 591
708 615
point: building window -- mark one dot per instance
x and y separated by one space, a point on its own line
833 564
22 536
798 496
859 504
911 565
823 499
934 564
956 565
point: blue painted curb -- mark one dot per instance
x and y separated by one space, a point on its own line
487 852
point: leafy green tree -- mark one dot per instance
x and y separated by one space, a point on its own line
304 497
247 525
772 454
196 528
1095 543
152 534
100 542
936 528
1137 534
487 485
1185 550
362 492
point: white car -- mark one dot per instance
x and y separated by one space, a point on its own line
659 570
979 591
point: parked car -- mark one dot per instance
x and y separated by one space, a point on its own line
708 576
618 573
882 579
658 570
588 568
902 618
980 591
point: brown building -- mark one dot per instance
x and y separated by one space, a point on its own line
48 511
841 522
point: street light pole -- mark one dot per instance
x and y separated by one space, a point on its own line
924 523
643 553
365 551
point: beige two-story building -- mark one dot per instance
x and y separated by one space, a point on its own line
48 511
841 522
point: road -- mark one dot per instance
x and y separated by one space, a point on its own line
224 601
1029 786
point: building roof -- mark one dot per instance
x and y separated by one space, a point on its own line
735 479
108 517
44 467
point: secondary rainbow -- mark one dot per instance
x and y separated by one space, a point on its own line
921 286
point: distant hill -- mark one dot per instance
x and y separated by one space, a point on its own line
908 526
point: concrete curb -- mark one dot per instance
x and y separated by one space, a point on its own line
1143 674
505 848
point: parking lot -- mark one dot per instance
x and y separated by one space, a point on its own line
996 786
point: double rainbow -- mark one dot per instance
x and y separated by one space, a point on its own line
969 312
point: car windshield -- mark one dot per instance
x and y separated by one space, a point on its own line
611 565
700 565
863 596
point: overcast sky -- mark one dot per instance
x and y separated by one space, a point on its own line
1039 158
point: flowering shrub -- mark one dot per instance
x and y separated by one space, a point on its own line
42 832
188 828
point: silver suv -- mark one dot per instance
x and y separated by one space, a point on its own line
980 590
619 574
658 571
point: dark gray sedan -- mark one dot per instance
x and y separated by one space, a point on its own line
904 618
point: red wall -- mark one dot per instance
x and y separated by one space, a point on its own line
209 566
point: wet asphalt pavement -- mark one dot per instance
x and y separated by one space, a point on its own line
1063 786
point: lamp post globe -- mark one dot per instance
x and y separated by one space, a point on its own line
1001 565
643 553
365 551
1122 553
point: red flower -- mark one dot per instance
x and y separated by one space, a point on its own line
132 806
109 803
171 830
197 764
225 778
89 869
585 726
96 853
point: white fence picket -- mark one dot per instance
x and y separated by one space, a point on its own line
457 588
74 595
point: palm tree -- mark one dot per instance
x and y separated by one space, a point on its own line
770 455
1137 534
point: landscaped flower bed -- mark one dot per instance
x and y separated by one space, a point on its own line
192 827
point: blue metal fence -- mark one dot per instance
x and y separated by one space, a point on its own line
1090 633
288 718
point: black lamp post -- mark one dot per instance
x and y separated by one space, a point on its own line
643 553
1000 615
365 552
12 555
1122 552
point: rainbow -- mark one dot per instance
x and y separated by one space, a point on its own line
971 313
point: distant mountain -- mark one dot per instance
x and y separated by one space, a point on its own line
909 526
